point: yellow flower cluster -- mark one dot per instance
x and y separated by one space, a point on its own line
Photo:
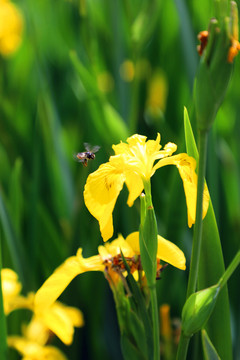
58 319
134 163
11 27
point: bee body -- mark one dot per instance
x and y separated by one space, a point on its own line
83 157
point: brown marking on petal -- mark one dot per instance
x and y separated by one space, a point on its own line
187 177
107 183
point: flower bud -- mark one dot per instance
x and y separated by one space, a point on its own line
197 309
218 47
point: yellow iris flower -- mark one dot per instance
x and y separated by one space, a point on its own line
58 318
33 344
33 351
134 164
108 261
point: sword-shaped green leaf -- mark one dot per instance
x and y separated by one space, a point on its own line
211 267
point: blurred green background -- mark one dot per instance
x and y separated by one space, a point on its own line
98 71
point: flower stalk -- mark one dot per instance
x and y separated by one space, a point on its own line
148 249
231 268
154 305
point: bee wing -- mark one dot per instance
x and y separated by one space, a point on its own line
95 148
87 146
76 158
91 148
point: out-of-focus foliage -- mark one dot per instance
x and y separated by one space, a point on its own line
97 72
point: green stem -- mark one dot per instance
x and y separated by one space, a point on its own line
182 347
3 327
148 195
231 268
147 204
197 236
155 322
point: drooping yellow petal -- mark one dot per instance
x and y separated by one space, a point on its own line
186 166
75 315
190 188
24 346
167 251
56 319
170 253
50 352
57 282
36 331
133 240
135 186
62 276
33 351
100 194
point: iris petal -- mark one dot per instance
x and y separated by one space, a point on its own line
57 282
170 253
167 251
186 166
116 246
135 187
57 321
100 195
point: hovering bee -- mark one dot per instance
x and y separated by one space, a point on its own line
89 154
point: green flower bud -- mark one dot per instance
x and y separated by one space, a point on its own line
197 309
148 242
218 48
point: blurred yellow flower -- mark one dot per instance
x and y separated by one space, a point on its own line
105 82
11 27
133 164
109 261
33 344
11 288
157 94
127 71
58 318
